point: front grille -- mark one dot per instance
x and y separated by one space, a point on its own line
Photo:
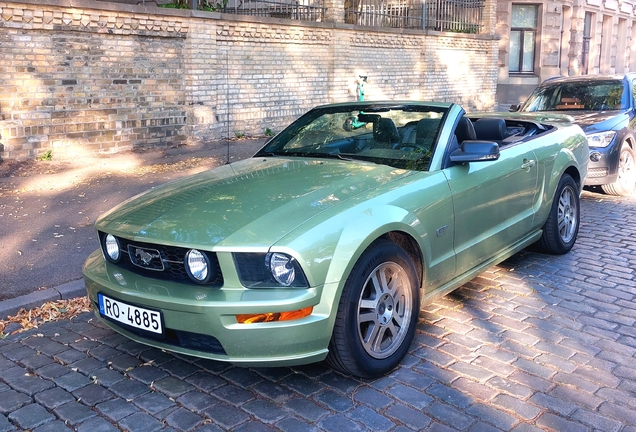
199 342
141 258
597 172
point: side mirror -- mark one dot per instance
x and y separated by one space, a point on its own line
475 151
514 107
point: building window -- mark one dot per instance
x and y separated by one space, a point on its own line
523 31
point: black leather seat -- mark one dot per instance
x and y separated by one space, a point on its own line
425 132
385 132
490 129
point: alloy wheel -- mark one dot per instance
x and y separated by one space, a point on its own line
626 170
384 310
567 216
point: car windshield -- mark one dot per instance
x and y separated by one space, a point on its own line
402 136
582 96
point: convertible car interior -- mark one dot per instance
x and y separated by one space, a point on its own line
375 135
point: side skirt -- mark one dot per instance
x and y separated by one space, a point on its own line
475 271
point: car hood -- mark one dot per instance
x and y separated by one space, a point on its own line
252 203
596 121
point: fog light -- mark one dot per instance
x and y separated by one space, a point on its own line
595 156
274 316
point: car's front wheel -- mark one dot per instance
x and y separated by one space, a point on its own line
377 313
626 181
562 226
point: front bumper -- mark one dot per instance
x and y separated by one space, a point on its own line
603 166
201 321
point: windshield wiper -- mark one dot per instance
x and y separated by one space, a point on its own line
340 156
334 155
268 153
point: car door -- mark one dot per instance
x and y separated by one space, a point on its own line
493 203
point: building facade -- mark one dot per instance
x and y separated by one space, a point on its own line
542 39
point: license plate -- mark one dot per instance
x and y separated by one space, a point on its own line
133 316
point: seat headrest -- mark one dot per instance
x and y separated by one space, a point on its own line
425 131
490 129
427 126
385 131
465 130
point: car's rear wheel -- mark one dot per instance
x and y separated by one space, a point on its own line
626 181
562 226
377 313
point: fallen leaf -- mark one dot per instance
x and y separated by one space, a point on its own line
49 311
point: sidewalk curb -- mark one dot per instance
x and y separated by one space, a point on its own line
29 301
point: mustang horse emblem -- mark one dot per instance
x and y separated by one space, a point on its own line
145 257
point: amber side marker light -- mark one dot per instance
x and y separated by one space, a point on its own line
274 316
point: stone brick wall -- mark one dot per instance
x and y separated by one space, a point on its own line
101 77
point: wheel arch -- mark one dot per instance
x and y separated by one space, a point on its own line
573 172
355 346
395 227
411 247
566 152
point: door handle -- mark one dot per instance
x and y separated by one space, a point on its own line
527 164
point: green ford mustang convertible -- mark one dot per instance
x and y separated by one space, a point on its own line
326 243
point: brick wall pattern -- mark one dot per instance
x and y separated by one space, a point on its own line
77 78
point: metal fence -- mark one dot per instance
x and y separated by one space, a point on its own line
462 16
303 10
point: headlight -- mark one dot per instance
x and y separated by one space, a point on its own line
601 139
111 248
282 268
269 270
197 265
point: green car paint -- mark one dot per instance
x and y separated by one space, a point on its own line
324 208
238 200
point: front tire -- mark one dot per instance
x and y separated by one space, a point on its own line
377 313
562 226
626 181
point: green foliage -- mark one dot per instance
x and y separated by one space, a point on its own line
47 156
462 28
268 132
239 135
204 5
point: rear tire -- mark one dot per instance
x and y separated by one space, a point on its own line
377 313
626 181
562 226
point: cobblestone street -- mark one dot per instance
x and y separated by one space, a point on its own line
537 343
